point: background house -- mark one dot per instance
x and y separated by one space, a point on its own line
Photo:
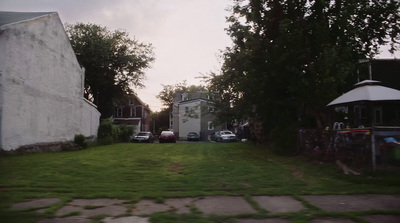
130 110
41 83
194 112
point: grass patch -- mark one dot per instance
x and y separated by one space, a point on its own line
157 171
98 218
91 207
73 213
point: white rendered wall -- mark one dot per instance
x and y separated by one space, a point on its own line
189 124
41 85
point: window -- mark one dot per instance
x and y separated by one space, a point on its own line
210 125
186 110
360 115
133 114
118 112
211 109
131 102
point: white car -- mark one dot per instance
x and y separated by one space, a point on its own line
225 136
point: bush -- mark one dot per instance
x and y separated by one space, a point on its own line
80 140
105 132
125 133
109 133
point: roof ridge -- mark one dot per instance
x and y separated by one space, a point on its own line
9 18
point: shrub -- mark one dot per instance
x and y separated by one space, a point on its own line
115 133
105 132
109 133
80 140
125 133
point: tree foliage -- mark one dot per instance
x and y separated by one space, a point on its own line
290 58
166 96
114 62
160 120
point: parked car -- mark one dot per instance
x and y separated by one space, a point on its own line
192 136
225 136
143 137
167 136
213 136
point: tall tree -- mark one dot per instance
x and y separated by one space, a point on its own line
114 62
166 96
289 58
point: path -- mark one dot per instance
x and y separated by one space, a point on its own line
121 211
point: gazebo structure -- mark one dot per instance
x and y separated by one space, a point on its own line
373 108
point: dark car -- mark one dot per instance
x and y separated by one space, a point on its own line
143 137
192 136
167 136
213 136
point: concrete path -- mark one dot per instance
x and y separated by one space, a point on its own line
121 211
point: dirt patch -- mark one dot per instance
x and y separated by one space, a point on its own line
299 174
176 168
296 173
247 184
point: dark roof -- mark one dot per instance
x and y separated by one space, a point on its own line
193 100
13 17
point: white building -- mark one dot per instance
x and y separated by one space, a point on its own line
41 83
194 112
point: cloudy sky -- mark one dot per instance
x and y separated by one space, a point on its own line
187 35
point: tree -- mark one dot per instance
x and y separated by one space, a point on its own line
160 120
166 96
114 63
290 58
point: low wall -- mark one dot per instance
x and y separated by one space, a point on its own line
90 119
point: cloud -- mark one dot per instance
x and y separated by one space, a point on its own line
186 35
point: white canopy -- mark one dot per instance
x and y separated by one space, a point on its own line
365 92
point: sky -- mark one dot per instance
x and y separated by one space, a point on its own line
187 35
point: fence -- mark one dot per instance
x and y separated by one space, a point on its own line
352 145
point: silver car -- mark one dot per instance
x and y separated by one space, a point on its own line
225 136
143 137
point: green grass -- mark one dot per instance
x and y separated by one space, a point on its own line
158 171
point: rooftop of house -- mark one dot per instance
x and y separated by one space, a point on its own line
15 17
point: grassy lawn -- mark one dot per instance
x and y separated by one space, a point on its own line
158 171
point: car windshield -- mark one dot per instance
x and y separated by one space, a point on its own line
167 134
226 133
143 134
192 133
